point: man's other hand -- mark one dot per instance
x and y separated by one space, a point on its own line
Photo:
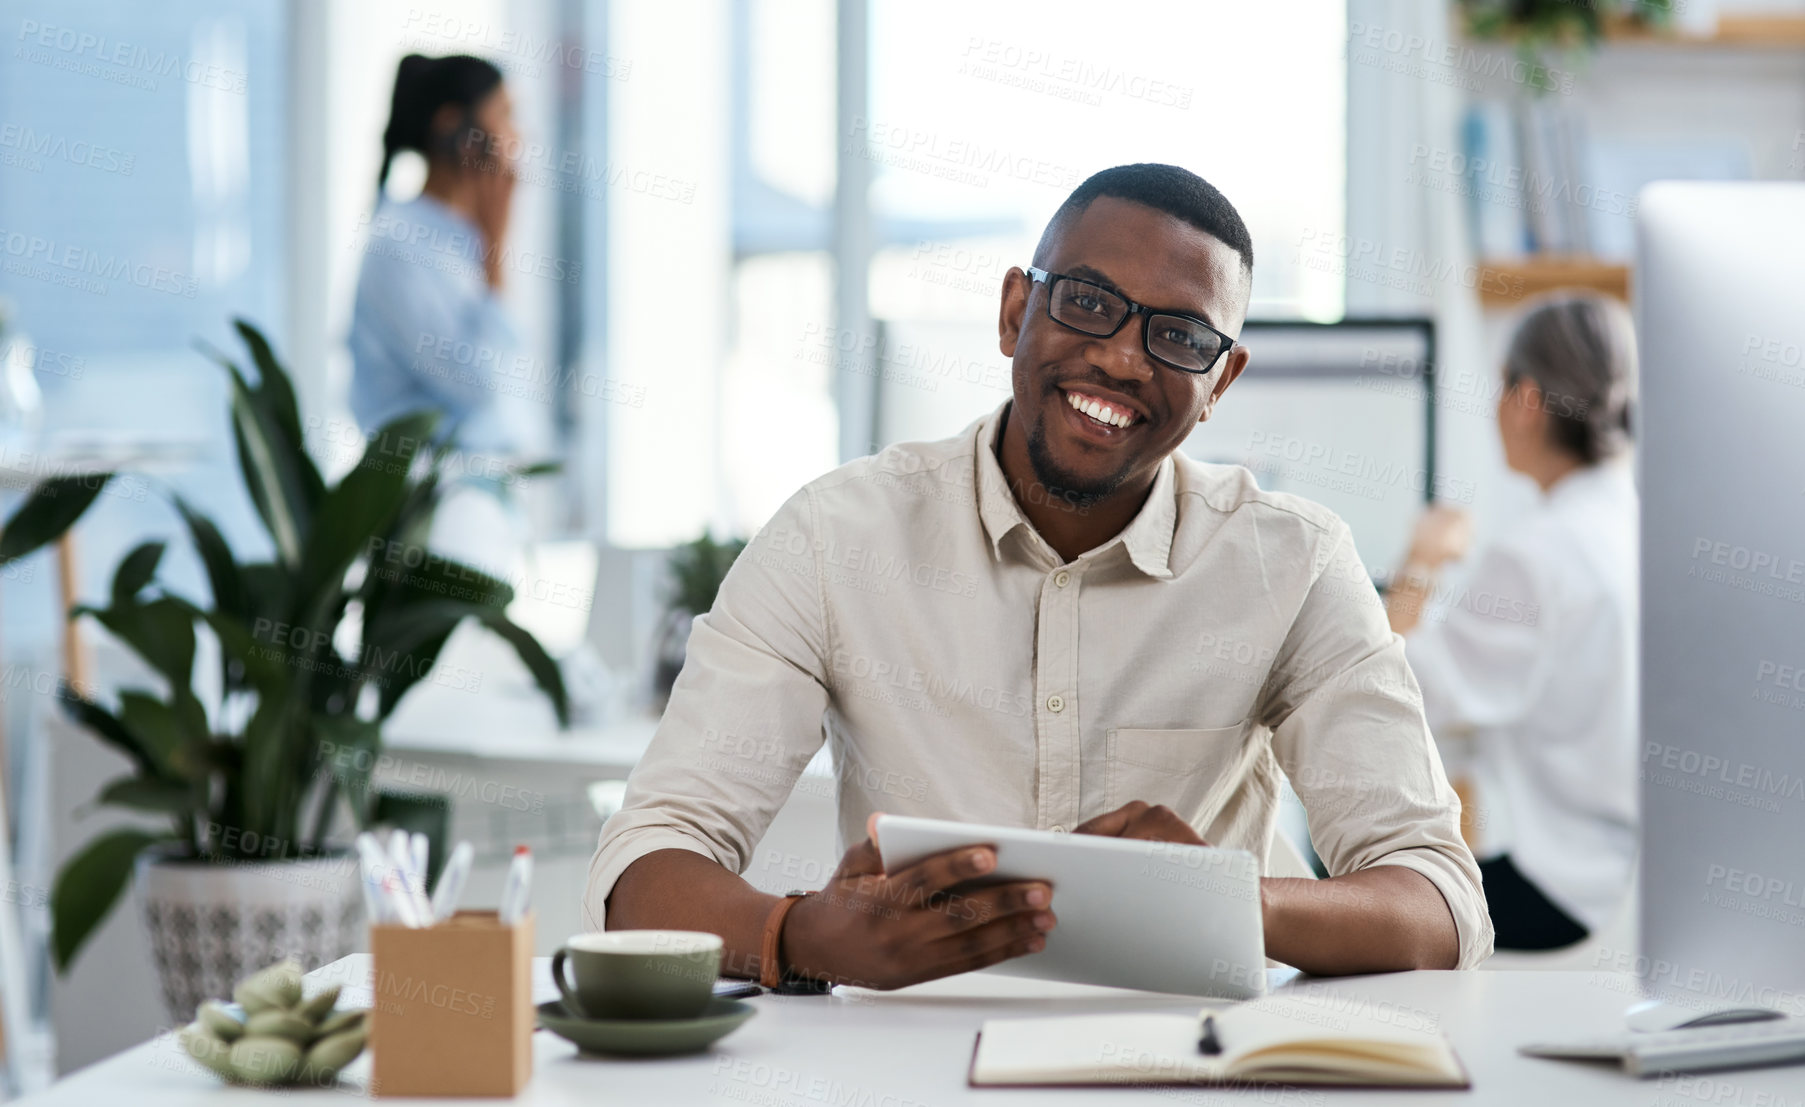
920 923
1138 819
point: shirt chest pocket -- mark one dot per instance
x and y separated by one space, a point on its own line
1187 770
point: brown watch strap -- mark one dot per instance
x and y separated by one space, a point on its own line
770 965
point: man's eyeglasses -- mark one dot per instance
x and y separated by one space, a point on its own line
1185 343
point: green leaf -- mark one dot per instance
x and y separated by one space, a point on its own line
697 569
161 796
88 887
216 556
262 779
275 468
52 508
192 716
348 746
107 728
178 751
264 666
392 685
135 572
416 626
538 662
273 385
427 813
363 504
267 587
161 631
402 644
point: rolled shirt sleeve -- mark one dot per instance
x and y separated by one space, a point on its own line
1350 733
744 718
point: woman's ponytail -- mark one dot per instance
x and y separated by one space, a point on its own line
423 85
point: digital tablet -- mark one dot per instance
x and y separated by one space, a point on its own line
1158 916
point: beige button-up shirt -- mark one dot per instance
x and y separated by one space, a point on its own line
903 610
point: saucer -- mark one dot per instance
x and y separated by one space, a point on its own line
647 1036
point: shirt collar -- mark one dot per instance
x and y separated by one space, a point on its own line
1147 538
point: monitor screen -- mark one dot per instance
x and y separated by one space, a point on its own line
1338 413
1341 414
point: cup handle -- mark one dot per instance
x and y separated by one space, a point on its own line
565 990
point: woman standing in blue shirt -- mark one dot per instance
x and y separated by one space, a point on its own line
428 329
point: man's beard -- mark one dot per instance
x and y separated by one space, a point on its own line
1065 486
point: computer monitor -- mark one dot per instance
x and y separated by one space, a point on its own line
1342 414
1719 292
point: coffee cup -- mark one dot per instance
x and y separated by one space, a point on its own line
638 974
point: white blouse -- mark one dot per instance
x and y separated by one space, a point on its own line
1535 658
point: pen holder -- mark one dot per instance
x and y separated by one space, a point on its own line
453 1008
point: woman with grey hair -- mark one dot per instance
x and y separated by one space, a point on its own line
1534 655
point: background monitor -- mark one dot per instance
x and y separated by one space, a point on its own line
1342 414
1339 413
1720 318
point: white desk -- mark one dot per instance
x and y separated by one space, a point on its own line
910 1049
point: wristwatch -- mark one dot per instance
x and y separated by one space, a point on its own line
770 964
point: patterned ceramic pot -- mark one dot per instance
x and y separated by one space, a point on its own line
211 925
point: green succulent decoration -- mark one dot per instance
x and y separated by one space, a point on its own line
280 1038
293 738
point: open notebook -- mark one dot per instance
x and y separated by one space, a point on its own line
1279 1038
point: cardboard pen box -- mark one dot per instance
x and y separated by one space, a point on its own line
453 1010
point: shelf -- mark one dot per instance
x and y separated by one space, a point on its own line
1511 282
1770 31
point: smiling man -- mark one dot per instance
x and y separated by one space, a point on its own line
1055 620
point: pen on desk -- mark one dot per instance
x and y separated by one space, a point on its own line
451 882
1207 1042
516 893
418 855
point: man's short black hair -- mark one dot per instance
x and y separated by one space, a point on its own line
1177 192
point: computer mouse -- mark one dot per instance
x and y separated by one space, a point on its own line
1655 1015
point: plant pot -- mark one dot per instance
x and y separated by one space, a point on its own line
212 925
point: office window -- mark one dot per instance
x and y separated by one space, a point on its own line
142 163
718 314
716 238
984 117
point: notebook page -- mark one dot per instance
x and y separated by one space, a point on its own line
1103 1049
1296 1032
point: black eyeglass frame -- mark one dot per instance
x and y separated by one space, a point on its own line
1041 276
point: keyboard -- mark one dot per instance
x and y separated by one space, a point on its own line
1702 1049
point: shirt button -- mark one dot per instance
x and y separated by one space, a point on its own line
1055 704
1061 579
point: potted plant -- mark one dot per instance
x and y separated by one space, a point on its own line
1536 26
316 646
696 570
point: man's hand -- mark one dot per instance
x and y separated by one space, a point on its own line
921 923
1136 819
